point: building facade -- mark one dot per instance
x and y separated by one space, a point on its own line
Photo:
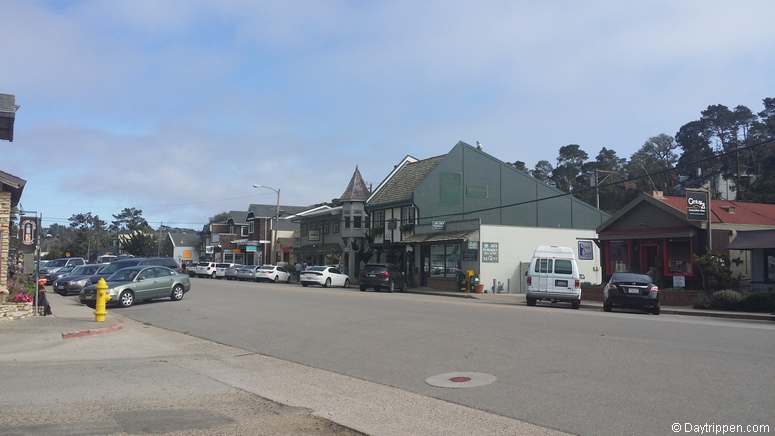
652 234
11 188
336 233
436 218
185 246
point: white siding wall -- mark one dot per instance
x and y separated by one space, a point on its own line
516 246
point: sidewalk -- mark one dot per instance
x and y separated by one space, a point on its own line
519 299
69 319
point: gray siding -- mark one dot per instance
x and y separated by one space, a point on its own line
469 179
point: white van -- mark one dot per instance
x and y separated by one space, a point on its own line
554 276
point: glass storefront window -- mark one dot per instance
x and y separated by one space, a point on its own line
770 258
445 260
679 260
437 260
618 256
452 260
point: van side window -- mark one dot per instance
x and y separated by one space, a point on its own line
543 266
563 266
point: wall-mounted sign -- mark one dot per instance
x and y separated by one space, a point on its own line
490 252
28 229
209 249
679 281
187 254
585 250
439 225
250 249
697 205
473 245
313 235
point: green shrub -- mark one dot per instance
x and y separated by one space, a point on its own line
702 301
715 272
726 300
758 302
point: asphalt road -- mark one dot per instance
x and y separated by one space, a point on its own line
583 372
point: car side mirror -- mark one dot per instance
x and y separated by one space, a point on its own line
582 276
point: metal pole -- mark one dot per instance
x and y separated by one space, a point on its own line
274 229
710 231
597 191
37 256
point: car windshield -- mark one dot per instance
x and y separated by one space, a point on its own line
222 265
317 268
376 267
124 275
84 269
267 268
67 269
56 263
629 277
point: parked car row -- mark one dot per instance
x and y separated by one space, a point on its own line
140 283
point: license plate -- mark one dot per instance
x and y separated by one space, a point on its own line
372 275
633 290
561 283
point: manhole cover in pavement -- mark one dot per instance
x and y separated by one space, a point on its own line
458 380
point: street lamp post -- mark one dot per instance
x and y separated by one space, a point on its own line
276 218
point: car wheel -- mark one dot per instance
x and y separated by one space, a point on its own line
91 304
346 283
305 284
607 307
327 284
275 279
531 301
212 276
177 293
363 289
575 304
288 280
126 299
655 310
392 287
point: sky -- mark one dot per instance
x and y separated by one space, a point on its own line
178 107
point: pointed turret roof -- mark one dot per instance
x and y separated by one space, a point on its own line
356 190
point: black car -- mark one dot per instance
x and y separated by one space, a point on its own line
632 291
112 267
75 281
382 276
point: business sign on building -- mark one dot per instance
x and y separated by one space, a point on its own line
28 233
697 205
187 254
585 250
490 252
439 225
250 249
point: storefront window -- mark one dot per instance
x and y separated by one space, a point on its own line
445 260
618 256
679 260
770 264
437 260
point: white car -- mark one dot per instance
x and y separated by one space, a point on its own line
273 273
205 269
221 268
325 276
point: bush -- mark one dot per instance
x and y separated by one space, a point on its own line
20 285
726 300
715 272
22 298
702 301
758 302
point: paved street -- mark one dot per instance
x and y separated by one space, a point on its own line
583 372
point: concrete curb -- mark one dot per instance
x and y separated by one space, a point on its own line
91 332
664 310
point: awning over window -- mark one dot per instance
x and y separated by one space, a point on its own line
440 237
753 239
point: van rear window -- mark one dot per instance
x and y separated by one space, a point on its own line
543 266
562 266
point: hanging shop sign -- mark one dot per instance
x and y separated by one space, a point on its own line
585 250
697 205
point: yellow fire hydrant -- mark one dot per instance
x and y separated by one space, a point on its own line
102 301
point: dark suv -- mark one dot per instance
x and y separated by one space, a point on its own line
382 276
628 290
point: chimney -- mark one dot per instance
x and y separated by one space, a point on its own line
659 195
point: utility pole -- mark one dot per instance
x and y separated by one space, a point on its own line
598 182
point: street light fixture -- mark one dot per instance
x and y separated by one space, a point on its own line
276 218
